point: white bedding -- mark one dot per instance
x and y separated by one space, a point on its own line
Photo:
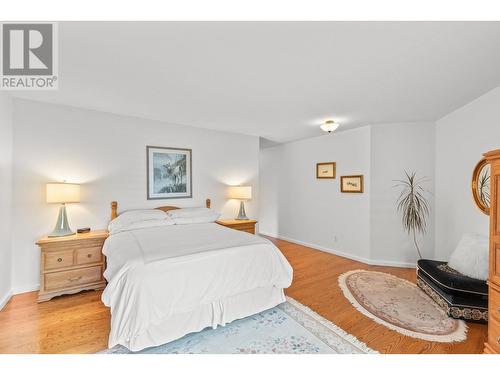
162 271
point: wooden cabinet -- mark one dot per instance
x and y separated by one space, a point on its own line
71 264
493 344
494 303
243 225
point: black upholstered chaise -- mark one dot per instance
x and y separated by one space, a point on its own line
461 296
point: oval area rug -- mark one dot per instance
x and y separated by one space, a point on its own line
400 305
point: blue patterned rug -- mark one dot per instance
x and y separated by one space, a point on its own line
290 328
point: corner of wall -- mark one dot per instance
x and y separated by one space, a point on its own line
462 137
396 147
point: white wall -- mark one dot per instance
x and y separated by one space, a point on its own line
107 154
5 196
461 139
367 227
394 149
297 206
446 152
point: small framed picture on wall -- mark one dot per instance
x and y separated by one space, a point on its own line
325 170
351 184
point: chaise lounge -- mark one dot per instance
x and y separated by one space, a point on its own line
461 296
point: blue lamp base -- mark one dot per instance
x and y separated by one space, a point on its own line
242 214
62 226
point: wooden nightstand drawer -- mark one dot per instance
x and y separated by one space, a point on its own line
58 259
244 226
71 278
90 255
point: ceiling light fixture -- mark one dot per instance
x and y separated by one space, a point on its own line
329 126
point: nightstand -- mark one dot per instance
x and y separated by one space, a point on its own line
243 225
71 264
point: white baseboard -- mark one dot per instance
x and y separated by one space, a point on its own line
25 288
371 262
5 299
18 290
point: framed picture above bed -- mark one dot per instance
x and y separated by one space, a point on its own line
169 172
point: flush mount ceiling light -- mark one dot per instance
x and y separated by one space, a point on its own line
329 126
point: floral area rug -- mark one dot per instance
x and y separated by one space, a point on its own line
289 328
400 305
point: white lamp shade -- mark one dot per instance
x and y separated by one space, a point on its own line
239 192
62 192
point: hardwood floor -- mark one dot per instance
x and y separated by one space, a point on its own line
80 323
315 285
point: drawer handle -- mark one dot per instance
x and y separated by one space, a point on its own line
74 278
59 260
498 339
89 255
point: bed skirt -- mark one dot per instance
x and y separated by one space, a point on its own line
216 313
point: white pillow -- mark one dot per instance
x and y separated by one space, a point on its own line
127 218
471 256
141 225
207 218
190 212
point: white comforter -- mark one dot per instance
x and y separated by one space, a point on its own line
159 271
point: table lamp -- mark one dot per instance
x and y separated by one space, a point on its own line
62 192
242 193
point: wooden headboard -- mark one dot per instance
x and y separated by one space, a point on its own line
114 208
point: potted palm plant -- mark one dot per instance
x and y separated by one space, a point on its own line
413 206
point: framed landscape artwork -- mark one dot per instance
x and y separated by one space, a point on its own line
351 184
169 172
325 170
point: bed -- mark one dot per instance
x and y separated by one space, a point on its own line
166 280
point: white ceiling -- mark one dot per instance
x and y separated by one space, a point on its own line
277 80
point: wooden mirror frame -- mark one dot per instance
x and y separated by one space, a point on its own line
475 194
